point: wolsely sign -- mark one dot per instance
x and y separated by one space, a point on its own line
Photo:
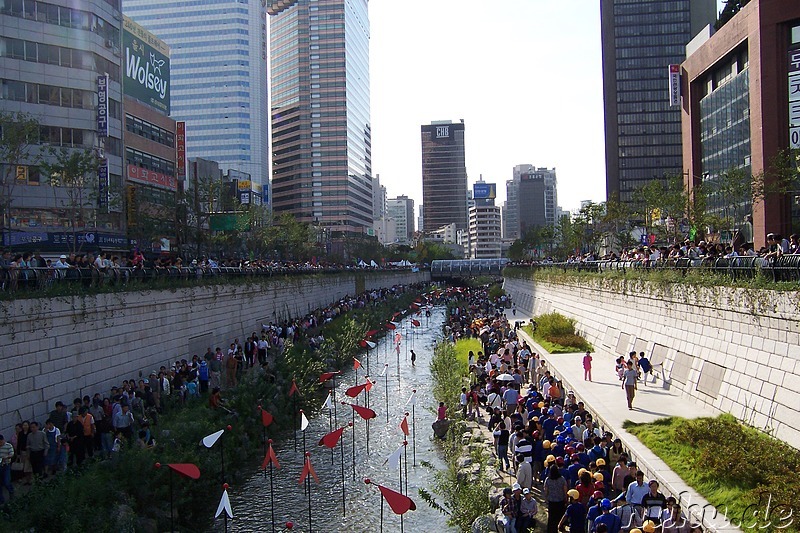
146 66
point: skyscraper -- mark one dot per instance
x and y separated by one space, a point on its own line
401 209
444 175
532 200
321 135
219 77
640 39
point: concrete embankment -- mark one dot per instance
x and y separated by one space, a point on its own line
64 347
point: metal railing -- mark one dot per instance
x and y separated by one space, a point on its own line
784 268
19 281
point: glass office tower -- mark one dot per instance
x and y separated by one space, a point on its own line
640 39
218 77
444 176
320 105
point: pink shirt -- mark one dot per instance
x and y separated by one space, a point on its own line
587 362
442 412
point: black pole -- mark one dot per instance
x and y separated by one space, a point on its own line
271 496
414 430
264 436
294 420
341 454
405 446
225 519
303 431
330 422
381 513
308 480
386 391
222 457
354 444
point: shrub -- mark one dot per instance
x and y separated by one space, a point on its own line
554 325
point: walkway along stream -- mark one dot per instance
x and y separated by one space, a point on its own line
251 501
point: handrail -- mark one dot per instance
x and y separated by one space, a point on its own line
783 268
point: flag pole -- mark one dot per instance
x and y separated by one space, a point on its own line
366 404
330 422
304 436
386 391
341 454
405 447
271 492
308 480
294 420
225 513
171 513
414 427
353 423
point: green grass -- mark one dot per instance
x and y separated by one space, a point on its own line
463 347
733 466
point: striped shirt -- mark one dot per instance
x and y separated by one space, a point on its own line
6 453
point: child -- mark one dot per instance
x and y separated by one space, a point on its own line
63 452
587 366
191 389
116 448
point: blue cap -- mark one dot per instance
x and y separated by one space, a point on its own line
605 503
550 412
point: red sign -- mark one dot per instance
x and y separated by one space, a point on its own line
180 147
150 177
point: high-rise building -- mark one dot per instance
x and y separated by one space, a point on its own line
485 227
320 105
218 77
741 108
640 40
60 62
401 209
444 175
537 190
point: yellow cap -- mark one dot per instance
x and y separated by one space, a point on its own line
581 471
598 476
574 494
541 404
649 526
600 462
550 459
546 445
636 530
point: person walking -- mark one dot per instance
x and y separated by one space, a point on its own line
555 493
6 458
629 383
587 366
413 358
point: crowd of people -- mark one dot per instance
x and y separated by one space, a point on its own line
101 426
549 441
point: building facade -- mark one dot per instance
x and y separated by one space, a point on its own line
485 231
741 108
320 106
640 40
401 209
60 63
151 169
444 175
531 200
218 78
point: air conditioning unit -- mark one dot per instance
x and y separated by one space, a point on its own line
109 43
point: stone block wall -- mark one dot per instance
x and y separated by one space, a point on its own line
66 347
735 350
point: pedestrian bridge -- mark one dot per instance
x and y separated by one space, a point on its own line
463 268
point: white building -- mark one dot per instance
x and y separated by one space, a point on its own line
218 77
401 210
485 230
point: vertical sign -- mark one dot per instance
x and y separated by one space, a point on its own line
102 186
794 98
102 106
180 148
674 85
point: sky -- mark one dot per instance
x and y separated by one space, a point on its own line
525 75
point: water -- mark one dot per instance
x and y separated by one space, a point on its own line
251 502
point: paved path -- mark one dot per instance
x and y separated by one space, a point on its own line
605 398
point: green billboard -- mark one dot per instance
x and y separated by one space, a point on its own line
146 66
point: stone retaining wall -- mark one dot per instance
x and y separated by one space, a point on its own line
61 348
734 350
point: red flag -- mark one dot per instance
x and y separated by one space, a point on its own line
364 412
389 325
355 391
362 343
356 364
186 469
331 439
293 389
415 322
270 458
308 469
400 503
404 426
266 418
368 385
326 376
413 307
371 332
397 314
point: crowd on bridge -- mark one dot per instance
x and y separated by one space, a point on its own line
102 425
549 440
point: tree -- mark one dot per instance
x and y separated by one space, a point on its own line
18 132
659 201
731 8
73 176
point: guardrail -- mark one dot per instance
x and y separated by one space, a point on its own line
32 279
784 268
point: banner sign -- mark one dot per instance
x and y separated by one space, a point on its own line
484 191
151 177
102 106
146 66
674 85
102 186
49 240
794 98
180 148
